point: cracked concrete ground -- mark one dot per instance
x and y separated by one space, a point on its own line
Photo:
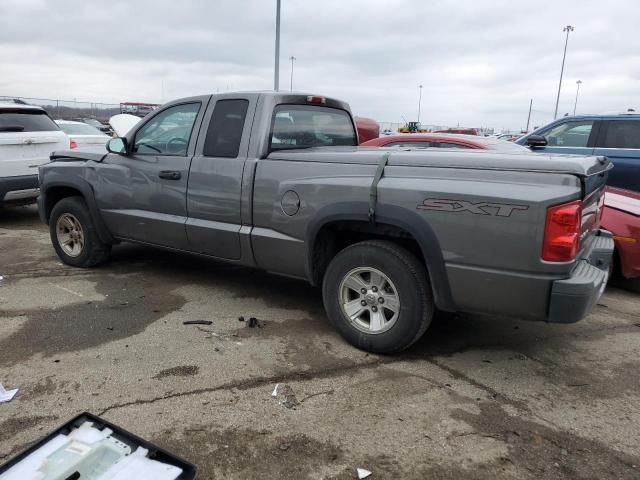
477 398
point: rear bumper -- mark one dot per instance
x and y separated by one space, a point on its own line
573 298
20 188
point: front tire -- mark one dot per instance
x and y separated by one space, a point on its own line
377 295
74 235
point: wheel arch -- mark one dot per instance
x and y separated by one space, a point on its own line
53 192
324 239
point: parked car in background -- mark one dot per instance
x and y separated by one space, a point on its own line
122 123
85 137
106 129
444 140
462 131
615 136
621 216
509 137
367 128
27 137
138 108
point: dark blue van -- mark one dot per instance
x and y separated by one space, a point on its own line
615 136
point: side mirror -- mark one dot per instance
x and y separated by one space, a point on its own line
536 141
117 145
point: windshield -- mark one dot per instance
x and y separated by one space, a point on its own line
79 129
303 126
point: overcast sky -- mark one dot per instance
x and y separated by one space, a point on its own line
479 61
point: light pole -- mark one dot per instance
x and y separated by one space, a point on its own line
577 91
419 101
292 58
276 69
567 29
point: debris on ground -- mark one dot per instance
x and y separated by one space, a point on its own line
253 322
7 395
362 473
241 319
197 322
290 400
275 391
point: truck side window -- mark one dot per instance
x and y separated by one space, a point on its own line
622 134
225 128
569 134
168 133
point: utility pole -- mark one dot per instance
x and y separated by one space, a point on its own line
292 58
419 102
567 29
276 72
529 116
577 91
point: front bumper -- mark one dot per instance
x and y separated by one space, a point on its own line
573 298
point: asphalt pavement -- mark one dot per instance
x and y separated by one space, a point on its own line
477 398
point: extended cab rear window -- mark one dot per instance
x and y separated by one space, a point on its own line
225 128
306 126
23 120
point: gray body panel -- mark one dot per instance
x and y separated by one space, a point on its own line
266 209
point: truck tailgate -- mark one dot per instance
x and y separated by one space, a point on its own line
593 199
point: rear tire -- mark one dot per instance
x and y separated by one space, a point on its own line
74 235
377 295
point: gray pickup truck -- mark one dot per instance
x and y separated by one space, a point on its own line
276 181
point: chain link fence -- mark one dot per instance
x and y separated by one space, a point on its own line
69 109
77 110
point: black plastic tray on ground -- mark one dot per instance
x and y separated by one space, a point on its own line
133 441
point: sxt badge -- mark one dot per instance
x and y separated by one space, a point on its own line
480 208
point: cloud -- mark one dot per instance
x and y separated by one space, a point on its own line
480 61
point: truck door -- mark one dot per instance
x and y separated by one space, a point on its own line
142 195
619 139
215 179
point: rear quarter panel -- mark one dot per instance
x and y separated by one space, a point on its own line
492 261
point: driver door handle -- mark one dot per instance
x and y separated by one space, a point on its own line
170 174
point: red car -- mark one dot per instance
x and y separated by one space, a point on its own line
444 140
621 216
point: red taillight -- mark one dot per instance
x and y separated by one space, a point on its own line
316 99
73 144
562 232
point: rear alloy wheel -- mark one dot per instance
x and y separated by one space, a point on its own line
377 295
74 236
370 300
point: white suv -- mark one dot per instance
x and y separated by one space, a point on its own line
27 136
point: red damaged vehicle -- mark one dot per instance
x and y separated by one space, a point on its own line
621 216
444 140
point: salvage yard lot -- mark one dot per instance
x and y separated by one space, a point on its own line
477 397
